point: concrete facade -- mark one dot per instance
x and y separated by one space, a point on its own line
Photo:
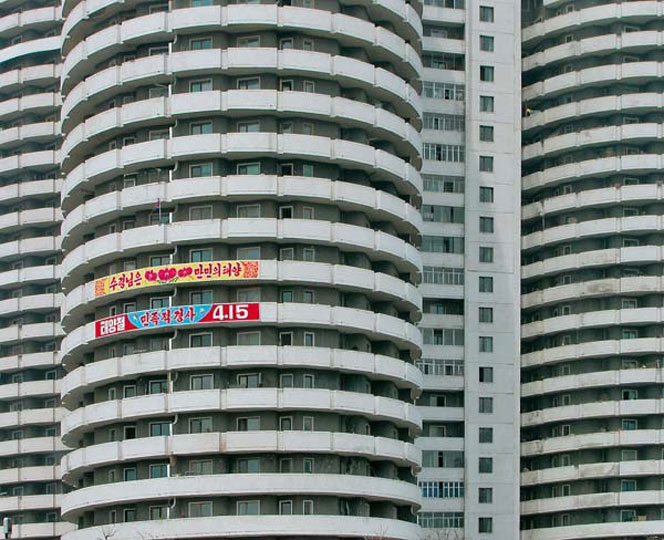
470 289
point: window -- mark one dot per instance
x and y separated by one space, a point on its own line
485 465
485 525
129 514
307 507
486 43
486 194
200 128
309 254
486 163
442 244
486 284
204 85
309 339
249 380
285 508
309 87
308 170
249 83
486 224
286 380
628 515
308 465
486 344
444 152
630 394
308 423
201 340
249 211
485 495
252 294
248 508
200 297
442 214
486 435
159 470
441 90
486 14
248 253
486 315
629 303
159 302
160 91
486 73
200 43
248 41
486 405
307 44
444 122
201 382
486 104
307 381
443 184
249 465
200 509
160 429
130 474
248 168
629 424
129 391
285 339
628 485
248 338
159 386
443 336
486 133
199 467
249 127
441 490
629 454
486 374
252 423
486 254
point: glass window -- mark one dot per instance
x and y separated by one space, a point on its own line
486 435
204 85
201 382
200 43
201 340
486 14
486 43
248 168
200 509
202 169
200 128
250 83
252 423
248 508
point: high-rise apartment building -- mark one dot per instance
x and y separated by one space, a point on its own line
470 324
592 266
240 197
30 332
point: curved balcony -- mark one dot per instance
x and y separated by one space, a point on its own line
616 530
638 255
600 439
378 122
44 160
238 485
245 146
376 285
380 44
31 417
374 366
26 503
618 195
33 445
597 288
259 527
37 19
35 46
373 325
79 461
592 228
595 500
590 410
34 217
31 104
29 361
233 400
593 349
593 319
30 275
596 380
36 331
29 133
608 44
587 471
628 73
639 11
45 74
43 245
605 105
376 81
29 389
376 205
81 15
42 530
632 165
44 473
376 244
602 136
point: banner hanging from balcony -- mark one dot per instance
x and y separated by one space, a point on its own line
176 316
176 273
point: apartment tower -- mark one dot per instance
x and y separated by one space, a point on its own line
30 332
470 324
241 196
592 266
